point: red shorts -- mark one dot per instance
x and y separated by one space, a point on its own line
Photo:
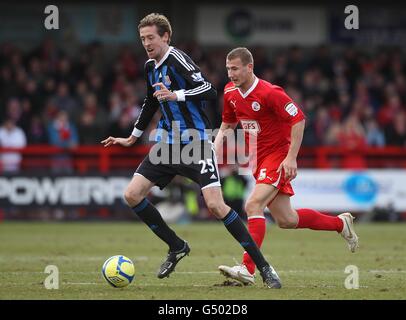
266 173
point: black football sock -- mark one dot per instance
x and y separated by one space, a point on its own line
238 230
153 219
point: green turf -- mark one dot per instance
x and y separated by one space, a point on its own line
310 263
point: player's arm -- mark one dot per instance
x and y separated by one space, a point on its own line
228 124
148 109
125 142
292 115
289 164
221 135
296 138
200 88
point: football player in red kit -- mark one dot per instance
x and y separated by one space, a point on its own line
267 112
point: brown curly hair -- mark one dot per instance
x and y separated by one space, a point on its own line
160 21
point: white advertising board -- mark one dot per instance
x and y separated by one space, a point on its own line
260 25
342 190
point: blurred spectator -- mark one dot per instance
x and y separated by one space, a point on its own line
81 91
374 135
321 125
352 138
128 64
62 133
63 73
352 135
333 133
63 100
11 136
8 87
116 107
92 121
49 54
37 133
389 111
122 127
48 87
14 109
396 133
35 70
33 96
95 81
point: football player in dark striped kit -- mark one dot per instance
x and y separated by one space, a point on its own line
176 86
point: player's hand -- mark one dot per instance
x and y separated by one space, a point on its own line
289 165
125 142
163 94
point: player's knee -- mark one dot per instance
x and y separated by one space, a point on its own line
132 197
216 208
253 207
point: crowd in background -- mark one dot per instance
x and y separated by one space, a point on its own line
350 96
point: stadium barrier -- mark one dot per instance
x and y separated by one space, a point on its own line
81 159
85 159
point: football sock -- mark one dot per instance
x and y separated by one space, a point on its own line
153 219
312 219
256 228
236 227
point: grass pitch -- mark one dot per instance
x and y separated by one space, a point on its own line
310 263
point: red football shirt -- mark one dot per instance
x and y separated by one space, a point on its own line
264 111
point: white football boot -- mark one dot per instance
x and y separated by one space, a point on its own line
348 232
239 273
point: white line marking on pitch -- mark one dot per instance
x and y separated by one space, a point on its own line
210 272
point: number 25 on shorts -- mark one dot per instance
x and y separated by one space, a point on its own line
208 162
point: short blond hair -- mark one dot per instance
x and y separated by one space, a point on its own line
160 21
243 53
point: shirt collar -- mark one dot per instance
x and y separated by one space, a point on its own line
158 64
244 95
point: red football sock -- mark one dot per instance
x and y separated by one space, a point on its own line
312 219
256 228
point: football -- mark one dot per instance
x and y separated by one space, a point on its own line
118 271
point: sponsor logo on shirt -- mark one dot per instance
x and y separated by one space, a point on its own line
291 109
197 77
251 126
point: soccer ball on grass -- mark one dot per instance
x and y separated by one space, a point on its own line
118 271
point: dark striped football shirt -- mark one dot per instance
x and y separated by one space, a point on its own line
180 74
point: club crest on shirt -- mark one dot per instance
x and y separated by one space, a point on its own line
255 106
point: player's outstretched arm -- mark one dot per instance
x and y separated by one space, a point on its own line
125 142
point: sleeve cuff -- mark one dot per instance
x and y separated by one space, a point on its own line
136 132
180 95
